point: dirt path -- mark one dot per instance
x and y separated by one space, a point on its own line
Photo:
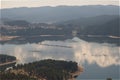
2 64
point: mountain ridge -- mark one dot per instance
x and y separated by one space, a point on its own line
59 13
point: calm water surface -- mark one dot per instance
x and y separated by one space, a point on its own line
100 61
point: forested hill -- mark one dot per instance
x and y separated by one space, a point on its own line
44 69
6 58
109 28
20 23
99 25
6 61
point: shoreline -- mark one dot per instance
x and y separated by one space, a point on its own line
77 73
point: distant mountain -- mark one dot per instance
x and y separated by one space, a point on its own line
99 25
59 13
89 21
109 28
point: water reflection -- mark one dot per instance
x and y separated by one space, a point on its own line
103 55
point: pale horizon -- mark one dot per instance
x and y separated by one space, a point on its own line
54 3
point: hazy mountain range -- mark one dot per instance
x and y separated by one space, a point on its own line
98 25
86 20
59 13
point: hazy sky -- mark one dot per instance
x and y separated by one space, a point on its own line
38 3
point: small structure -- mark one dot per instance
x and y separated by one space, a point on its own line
74 32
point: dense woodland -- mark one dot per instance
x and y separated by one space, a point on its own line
44 69
6 58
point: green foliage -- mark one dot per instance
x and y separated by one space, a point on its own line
21 23
49 69
6 58
12 76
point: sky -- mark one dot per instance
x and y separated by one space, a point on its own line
39 3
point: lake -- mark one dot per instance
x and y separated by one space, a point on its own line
100 60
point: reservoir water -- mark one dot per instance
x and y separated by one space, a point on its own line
100 60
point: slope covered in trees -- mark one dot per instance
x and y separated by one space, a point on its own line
99 25
6 58
44 69
111 27
6 61
21 23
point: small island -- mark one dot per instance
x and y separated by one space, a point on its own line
43 70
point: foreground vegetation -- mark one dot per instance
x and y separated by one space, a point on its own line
41 70
6 58
6 61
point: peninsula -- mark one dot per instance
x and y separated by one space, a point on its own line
43 70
